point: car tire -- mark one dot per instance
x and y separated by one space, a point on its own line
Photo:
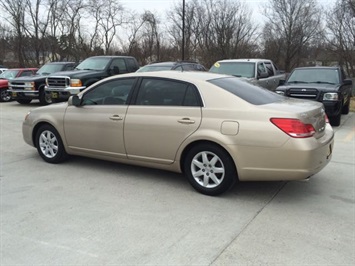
210 169
49 145
335 120
346 108
44 98
24 101
5 96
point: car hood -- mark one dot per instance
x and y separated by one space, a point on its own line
76 73
319 86
29 79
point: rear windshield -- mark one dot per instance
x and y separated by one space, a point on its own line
237 69
154 68
246 91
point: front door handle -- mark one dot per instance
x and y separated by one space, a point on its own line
186 121
116 117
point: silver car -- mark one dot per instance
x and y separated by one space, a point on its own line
216 129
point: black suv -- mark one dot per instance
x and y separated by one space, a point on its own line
179 66
25 89
59 87
328 85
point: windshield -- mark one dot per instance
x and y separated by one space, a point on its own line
93 64
315 75
9 74
49 69
154 68
238 69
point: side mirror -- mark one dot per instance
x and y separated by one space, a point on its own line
263 75
114 70
348 82
282 82
74 100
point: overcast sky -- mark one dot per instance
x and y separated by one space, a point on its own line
160 7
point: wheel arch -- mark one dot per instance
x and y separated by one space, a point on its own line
38 126
200 142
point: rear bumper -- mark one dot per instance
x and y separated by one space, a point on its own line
298 159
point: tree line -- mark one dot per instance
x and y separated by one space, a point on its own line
292 32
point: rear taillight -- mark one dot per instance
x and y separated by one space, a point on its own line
326 119
294 127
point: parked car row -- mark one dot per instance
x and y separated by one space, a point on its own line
58 81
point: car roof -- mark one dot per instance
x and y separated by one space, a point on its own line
171 63
252 60
23 68
60 63
188 76
319 67
110 56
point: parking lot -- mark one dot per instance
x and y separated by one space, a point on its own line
91 212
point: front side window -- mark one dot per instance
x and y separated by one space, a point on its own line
261 68
119 64
113 92
269 68
168 93
26 73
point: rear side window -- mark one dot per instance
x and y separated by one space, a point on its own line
167 92
131 64
246 91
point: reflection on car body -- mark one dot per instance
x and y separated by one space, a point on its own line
216 129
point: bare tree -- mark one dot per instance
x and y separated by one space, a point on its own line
214 29
15 10
5 40
341 37
291 25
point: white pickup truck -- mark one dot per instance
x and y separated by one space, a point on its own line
262 72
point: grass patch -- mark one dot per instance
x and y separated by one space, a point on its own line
352 104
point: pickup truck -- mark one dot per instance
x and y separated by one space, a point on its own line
25 89
328 85
261 72
9 75
61 87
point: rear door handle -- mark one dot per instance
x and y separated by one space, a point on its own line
186 121
116 117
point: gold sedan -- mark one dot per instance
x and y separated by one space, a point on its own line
216 129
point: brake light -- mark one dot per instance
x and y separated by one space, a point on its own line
294 127
326 119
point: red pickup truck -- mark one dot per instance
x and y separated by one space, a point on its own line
11 74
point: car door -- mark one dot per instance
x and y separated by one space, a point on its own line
165 113
96 127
